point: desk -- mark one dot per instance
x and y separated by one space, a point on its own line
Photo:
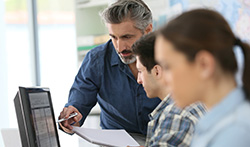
11 137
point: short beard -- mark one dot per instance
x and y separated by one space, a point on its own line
128 60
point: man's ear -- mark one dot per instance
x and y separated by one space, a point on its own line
205 62
149 28
157 71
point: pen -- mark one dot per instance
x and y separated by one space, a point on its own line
70 116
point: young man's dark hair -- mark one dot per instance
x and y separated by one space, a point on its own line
144 49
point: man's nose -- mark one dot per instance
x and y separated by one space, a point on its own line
139 81
121 45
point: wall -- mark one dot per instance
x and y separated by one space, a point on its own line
236 12
3 74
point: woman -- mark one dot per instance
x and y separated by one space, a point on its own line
196 51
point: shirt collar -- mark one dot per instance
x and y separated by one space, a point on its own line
225 107
116 61
165 102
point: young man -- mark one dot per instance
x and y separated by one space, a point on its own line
169 125
108 74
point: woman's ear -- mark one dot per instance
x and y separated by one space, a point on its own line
205 62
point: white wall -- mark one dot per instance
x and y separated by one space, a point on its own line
58 58
3 75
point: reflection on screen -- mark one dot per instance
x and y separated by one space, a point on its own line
43 121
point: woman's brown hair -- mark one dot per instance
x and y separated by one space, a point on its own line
204 29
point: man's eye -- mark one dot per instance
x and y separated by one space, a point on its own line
127 37
113 37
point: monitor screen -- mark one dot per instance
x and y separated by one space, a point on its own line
36 117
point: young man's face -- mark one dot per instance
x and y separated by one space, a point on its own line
147 80
123 36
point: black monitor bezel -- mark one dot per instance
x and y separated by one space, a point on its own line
24 94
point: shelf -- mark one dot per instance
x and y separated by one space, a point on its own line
86 48
90 30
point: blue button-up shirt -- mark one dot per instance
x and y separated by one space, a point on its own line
226 125
103 78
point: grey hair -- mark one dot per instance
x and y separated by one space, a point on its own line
122 10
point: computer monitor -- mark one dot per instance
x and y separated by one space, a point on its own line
35 116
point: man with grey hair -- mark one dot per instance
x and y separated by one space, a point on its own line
108 75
